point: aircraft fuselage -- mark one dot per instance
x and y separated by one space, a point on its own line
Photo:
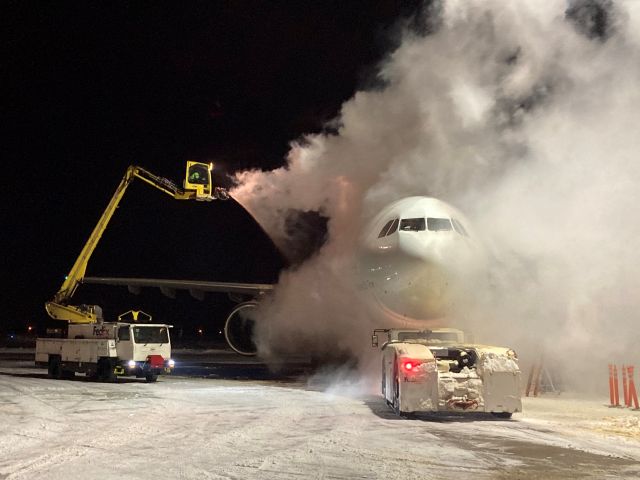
414 254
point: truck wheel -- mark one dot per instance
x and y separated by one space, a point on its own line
396 402
396 398
68 374
502 414
105 371
150 377
53 369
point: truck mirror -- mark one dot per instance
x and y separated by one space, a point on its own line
374 341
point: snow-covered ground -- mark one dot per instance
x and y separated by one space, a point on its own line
195 428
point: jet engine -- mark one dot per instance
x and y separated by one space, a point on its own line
238 329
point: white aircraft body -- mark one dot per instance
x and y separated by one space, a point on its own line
411 260
415 257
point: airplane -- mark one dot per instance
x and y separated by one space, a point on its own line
413 260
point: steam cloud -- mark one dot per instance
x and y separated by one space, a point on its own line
525 116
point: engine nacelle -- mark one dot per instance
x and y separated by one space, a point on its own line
238 329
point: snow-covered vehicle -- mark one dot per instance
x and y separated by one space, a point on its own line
437 370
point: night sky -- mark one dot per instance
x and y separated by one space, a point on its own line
91 88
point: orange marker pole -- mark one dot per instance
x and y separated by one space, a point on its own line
616 394
536 381
633 395
625 390
529 381
611 397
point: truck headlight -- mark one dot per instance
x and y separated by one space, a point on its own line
171 363
131 364
512 354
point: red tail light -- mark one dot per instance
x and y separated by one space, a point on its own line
410 365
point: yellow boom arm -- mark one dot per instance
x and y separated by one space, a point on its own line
197 186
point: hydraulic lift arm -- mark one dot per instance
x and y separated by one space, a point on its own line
197 186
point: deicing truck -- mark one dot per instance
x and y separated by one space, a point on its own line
439 371
128 346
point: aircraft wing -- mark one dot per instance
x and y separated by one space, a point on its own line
195 287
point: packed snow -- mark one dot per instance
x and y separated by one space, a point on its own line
199 428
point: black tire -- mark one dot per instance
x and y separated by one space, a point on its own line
384 380
396 402
68 374
151 377
505 415
54 370
396 398
105 371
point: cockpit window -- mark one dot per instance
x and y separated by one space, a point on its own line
390 227
412 224
459 227
439 224
394 226
383 232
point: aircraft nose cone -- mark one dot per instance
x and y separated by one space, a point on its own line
423 279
